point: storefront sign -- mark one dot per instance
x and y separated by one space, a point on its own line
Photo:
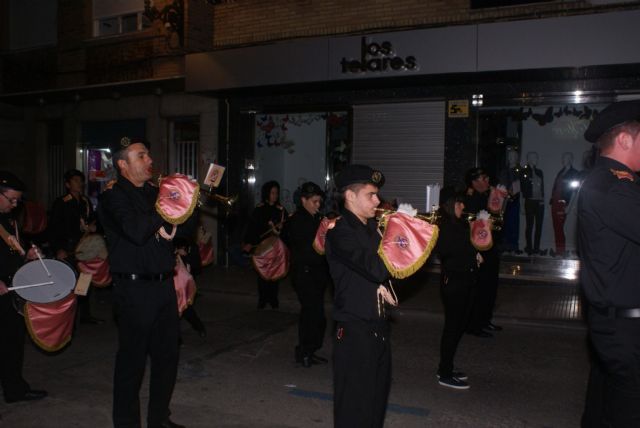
377 57
458 108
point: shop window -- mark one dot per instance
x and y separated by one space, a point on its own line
122 24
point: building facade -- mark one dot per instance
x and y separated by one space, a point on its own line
293 90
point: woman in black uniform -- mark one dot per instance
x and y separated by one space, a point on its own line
459 267
310 273
266 220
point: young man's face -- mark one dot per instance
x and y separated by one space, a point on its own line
137 167
75 184
9 199
312 204
363 202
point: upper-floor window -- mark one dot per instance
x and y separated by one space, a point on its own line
113 17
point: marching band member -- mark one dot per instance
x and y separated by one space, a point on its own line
480 324
361 352
459 271
71 217
12 325
266 220
309 273
142 265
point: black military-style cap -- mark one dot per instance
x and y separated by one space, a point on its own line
612 115
310 189
473 174
125 142
10 181
363 174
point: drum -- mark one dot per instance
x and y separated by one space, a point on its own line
90 247
50 306
271 259
44 281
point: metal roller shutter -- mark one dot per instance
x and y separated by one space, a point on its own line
406 142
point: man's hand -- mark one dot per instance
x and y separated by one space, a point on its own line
15 244
61 254
33 252
3 288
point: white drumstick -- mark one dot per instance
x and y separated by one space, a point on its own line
30 285
40 258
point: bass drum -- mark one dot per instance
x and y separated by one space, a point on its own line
49 280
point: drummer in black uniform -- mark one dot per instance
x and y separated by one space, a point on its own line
361 352
477 197
142 261
71 217
266 220
609 249
310 275
12 326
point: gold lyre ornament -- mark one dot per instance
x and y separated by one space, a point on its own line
125 142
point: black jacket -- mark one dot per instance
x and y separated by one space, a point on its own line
526 181
130 221
258 226
454 247
64 222
356 269
10 260
609 235
299 232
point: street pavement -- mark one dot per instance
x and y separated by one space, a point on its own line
243 374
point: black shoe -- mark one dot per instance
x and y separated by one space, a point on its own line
168 424
456 374
492 327
307 361
480 333
30 395
319 359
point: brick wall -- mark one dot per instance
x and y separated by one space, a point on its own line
198 26
244 22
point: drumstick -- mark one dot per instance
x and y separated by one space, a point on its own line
41 261
30 285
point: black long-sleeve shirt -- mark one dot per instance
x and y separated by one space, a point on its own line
609 235
299 232
259 226
356 268
10 260
130 221
454 247
64 223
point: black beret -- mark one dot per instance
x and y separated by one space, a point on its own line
362 174
473 174
125 142
614 114
10 181
310 189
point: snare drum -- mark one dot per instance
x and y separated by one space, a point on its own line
271 259
44 281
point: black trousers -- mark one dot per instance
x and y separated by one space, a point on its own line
534 215
457 290
487 291
148 325
361 374
613 392
12 334
267 292
310 283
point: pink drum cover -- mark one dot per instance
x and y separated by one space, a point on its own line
321 234
177 198
50 325
97 267
481 237
496 200
406 243
185 286
271 259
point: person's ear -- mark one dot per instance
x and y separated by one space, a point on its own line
624 140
